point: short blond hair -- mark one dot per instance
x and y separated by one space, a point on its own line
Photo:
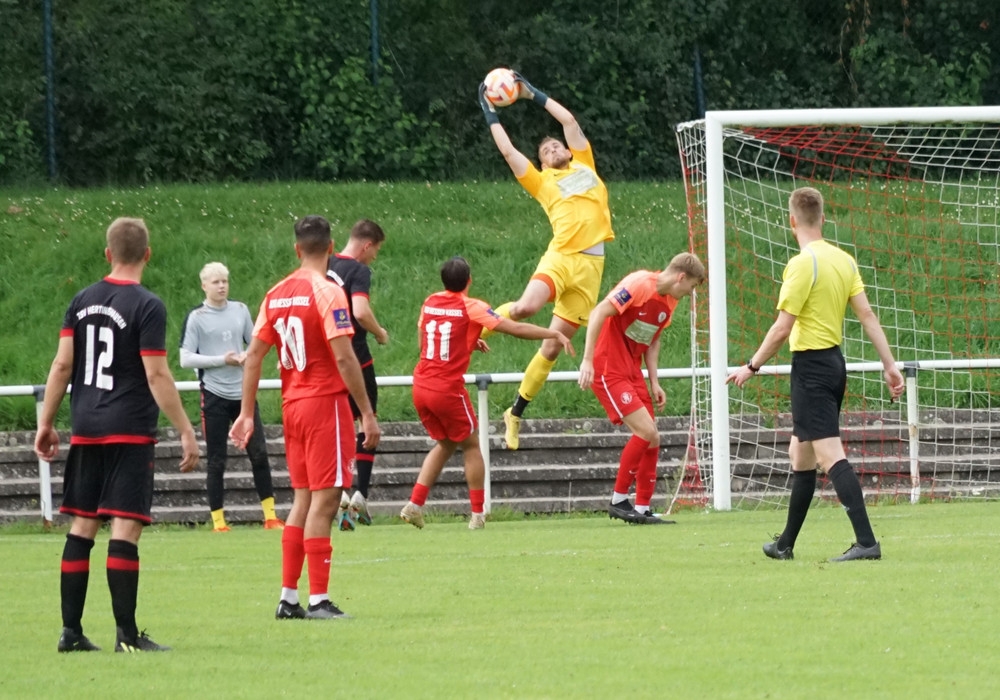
213 269
689 264
128 240
806 205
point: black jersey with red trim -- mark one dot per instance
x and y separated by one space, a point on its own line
114 323
355 278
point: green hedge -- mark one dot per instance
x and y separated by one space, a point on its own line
186 90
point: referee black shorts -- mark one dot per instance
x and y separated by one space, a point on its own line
109 481
819 379
371 388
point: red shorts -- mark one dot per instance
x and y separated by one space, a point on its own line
446 415
319 442
621 395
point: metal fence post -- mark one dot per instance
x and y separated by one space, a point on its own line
44 471
483 384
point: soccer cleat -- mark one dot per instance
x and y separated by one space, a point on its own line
325 610
224 528
477 521
141 642
359 509
274 524
412 514
771 550
650 519
71 640
289 611
856 551
512 429
625 511
344 521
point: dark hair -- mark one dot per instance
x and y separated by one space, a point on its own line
455 274
128 240
312 233
368 230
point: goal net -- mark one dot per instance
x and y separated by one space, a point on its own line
914 196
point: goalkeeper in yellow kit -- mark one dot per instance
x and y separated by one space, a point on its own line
569 273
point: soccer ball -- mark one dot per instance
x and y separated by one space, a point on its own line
502 88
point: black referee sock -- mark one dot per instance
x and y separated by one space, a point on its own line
123 581
73 580
520 403
803 487
848 487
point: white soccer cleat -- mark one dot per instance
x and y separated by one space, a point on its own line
477 521
412 514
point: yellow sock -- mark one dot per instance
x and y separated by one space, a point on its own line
218 519
268 505
502 310
535 376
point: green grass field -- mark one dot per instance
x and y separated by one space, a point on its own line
537 608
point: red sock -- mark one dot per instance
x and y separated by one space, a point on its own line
419 495
477 497
645 481
628 467
292 556
319 552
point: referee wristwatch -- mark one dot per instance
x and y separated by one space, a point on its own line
750 366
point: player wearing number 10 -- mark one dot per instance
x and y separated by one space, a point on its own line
308 317
449 326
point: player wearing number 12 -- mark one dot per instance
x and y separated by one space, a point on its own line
308 317
449 326
113 348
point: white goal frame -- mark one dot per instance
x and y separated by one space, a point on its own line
714 124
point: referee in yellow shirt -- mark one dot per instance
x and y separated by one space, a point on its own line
576 202
816 288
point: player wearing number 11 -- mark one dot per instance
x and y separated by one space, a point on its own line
449 326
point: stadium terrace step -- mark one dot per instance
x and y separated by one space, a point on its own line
561 466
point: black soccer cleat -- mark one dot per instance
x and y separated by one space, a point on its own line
856 551
141 642
325 610
70 640
625 511
289 611
650 519
772 551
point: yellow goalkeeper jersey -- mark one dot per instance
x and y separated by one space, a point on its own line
815 288
575 200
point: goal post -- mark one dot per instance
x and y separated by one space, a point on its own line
914 195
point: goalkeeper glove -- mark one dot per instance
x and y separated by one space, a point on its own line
530 91
489 111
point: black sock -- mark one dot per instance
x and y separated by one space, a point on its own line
848 487
520 403
73 580
363 463
123 581
803 487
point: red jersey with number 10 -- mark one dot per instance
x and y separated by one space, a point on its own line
449 327
642 315
301 314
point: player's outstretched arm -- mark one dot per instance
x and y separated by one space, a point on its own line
517 161
873 329
571 128
60 373
161 385
529 331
